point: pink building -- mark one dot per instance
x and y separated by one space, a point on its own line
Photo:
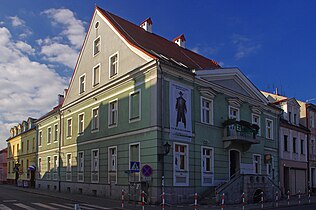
3 165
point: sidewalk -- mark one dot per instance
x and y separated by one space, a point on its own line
116 204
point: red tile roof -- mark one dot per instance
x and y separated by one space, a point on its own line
154 45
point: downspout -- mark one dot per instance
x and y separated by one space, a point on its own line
59 151
162 158
36 152
307 148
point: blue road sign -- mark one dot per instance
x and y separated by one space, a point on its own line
134 166
147 170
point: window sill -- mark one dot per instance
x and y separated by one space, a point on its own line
112 126
95 130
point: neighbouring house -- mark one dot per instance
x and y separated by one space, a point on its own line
3 165
145 113
293 145
22 154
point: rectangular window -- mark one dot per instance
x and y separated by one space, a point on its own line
22 147
285 143
33 145
290 117
181 164
40 138
257 164
295 119
80 161
312 120
55 132
113 65
69 163
96 46
39 164
112 165
269 165
256 121
9 167
234 113
55 163
49 135
13 150
82 84
207 166
95 119
134 105
95 161
27 145
48 164
95 166
80 123
113 113
269 129
294 145
80 166
134 156
69 127
206 111
302 146
96 75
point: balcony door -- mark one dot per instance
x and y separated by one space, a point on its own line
234 163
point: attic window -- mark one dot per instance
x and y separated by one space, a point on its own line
96 26
96 46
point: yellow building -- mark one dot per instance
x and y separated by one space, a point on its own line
22 154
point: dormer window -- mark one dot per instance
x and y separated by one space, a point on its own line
82 84
113 65
96 46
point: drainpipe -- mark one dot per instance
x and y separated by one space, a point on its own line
59 150
162 158
307 148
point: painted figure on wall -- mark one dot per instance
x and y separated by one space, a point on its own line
181 109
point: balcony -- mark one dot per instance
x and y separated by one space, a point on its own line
240 132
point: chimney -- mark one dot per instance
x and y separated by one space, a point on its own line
180 40
147 25
60 99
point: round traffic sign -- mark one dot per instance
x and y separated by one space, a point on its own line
147 170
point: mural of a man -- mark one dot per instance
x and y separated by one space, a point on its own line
181 108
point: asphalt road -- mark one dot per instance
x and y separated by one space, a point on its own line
16 199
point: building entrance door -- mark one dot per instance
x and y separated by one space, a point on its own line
234 162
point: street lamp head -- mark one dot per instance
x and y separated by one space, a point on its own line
166 147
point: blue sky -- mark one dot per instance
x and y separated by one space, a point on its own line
272 42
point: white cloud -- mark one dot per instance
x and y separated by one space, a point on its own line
27 88
16 21
24 47
73 28
60 53
244 46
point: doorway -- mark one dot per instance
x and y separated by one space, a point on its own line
234 163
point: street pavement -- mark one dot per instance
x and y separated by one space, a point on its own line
69 200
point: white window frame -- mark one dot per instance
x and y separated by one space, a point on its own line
79 169
68 166
130 107
84 84
271 129
137 174
117 65
268 166
92 165
56 133
40 165
55 163
259 122
110 113
210 110
48 163
49 135
181 173
96 83
204 173
95 128
94 46
79 122
69 134
254 161
232 116
110 157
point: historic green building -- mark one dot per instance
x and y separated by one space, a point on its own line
145 113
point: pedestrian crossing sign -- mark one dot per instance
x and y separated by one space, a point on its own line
134 166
